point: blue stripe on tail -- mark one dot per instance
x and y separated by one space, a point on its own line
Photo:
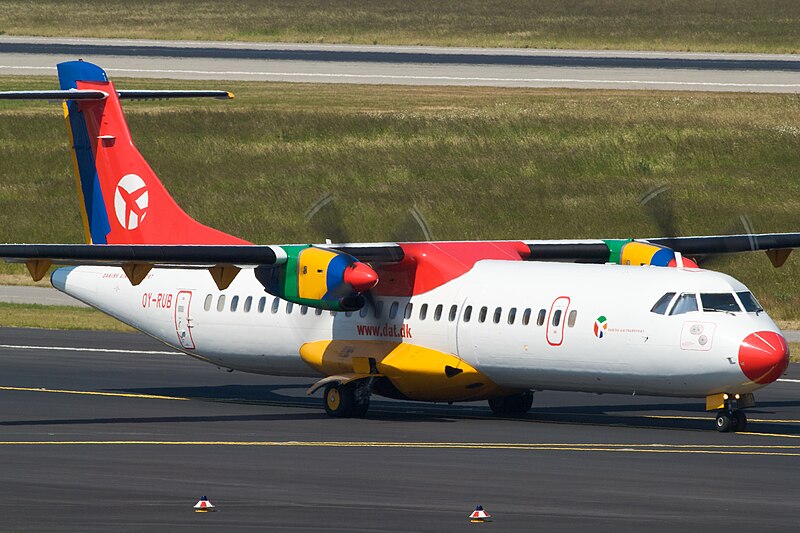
68 75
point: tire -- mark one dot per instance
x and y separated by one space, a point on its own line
360 409
739 420
498 406
518 404
724 421
522 403
338 400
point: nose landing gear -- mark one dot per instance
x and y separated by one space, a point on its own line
731 417
730 420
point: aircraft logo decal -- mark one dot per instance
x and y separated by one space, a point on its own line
130 201
600 327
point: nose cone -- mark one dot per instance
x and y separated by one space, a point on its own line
361 277
763 356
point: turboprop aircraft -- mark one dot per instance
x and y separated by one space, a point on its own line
426 321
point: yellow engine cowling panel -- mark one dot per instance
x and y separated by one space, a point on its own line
312 273
418 372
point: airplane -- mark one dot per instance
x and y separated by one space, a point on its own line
425 321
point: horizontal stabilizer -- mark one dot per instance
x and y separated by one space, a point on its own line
90 94
157 95
159 255
71 94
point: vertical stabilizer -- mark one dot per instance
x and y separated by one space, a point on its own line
123 201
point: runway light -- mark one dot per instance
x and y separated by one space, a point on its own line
479 515
204 506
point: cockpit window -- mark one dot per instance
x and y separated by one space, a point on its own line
719 301
686 303
749 302
662 303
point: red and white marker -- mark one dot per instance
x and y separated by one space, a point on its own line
204 506
479 515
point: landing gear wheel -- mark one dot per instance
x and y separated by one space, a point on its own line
338 400
739 420
724 421
360 408
518 404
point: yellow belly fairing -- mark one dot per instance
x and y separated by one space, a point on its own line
418 372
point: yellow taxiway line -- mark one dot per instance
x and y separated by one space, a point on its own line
786 451
94 393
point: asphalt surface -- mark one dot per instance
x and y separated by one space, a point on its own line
98 440
408 65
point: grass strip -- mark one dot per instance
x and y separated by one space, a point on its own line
57 317
477 163
693 25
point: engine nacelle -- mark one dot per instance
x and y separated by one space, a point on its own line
637 253
319 278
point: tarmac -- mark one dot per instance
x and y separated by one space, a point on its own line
113 431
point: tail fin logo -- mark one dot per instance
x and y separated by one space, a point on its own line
130 201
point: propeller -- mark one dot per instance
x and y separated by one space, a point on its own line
660 206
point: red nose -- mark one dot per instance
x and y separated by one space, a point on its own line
763 356
361 277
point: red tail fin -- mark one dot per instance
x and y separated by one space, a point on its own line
138 208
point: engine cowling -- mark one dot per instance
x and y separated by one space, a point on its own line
319 278
630 252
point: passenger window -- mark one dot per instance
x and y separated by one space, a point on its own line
512 315
348 314
686 303
482 315
662 304
423 311
364 311
221 302
409 310
207 304
248 303
721 302
262 304
303 309
749 302
289 307
318 311
275 304
557 318
393 310
378 309
437 313
540 318
467 313
497 312
234 303
526 317
573 316
453 312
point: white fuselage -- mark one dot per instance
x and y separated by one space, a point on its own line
606 338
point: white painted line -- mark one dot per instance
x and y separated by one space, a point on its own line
99 350
450 78
787 380
399 77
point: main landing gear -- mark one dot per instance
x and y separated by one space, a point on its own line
517 404
350 400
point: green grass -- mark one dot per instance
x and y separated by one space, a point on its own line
708 25
57 317
478 163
